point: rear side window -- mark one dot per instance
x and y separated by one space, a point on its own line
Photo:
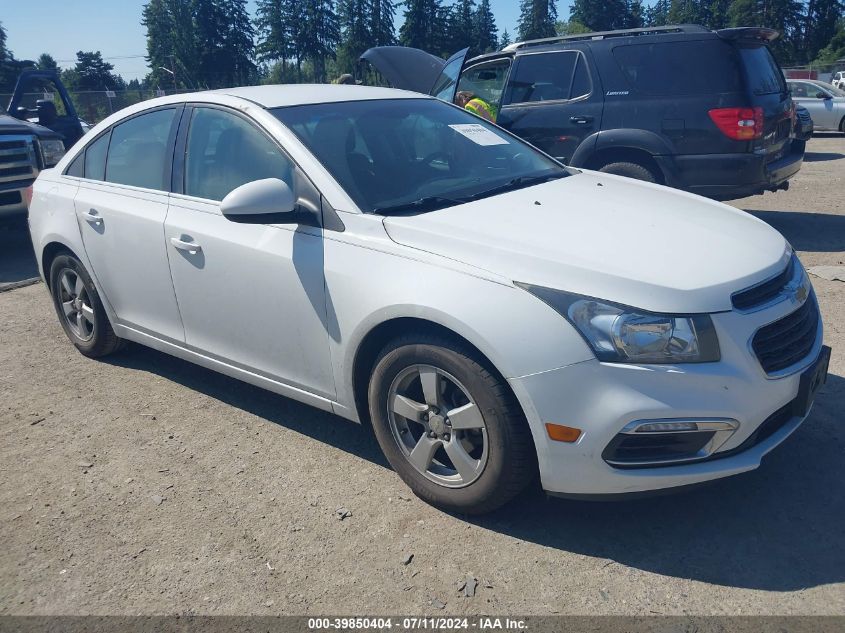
95 158
138 151
695 67
225 151
554 76
764 74
77 166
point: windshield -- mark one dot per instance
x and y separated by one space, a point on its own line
414 154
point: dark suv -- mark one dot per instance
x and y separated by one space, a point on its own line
704 111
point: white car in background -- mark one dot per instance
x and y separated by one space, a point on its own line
825 103
838 80
396 260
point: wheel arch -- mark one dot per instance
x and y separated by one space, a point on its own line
49 253
609 155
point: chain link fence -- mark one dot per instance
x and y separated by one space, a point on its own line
821 72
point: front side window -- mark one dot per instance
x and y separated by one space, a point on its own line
799 90
414 154
225 151
138 151
544 77
486 81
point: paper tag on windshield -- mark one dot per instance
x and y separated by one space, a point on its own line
479 134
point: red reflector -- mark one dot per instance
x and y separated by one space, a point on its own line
27 195
740 124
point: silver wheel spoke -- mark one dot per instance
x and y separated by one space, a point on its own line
407 408
430 381
80 324
461 460
66 285
79 287
67 306
87 313
423 452
466 417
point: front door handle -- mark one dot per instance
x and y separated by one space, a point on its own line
581 120
93 216
192 247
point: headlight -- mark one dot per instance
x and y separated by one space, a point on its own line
619 334
52 151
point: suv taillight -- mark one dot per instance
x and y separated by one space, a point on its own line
740 124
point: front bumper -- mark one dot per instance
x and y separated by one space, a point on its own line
732 176
602 398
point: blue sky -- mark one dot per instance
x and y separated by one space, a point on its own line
114 27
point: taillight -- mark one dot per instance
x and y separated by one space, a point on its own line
27 196
740 124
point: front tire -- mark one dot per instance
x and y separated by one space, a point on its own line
449 426
630 170
79 308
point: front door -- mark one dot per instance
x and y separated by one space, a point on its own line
121 205
552 102
252 295
817 102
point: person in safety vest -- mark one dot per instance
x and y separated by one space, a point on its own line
476 105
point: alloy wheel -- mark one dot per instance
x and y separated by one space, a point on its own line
76 304
438 426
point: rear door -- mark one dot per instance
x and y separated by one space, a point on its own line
121 205
553 101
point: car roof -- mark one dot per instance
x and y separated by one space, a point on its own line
277 96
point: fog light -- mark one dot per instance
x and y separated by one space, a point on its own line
560 433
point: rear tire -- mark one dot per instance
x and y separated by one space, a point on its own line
842 125
80 310
475 419
630 170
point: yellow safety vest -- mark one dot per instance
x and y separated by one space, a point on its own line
481 108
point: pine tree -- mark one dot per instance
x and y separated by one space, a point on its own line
821 25
355 23
485 33
505 40
461 32
658 13
171 42
382 14
601 15
537 19
785 16
47 62
319 34
425 26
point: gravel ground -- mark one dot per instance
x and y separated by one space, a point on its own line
146 485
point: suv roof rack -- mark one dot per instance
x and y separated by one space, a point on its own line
601 35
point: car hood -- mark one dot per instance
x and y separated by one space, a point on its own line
11 125
606 237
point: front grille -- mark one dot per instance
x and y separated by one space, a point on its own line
763 293
17 159
786 342
10 197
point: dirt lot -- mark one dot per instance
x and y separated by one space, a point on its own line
147 485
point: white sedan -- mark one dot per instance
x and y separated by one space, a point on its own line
496 316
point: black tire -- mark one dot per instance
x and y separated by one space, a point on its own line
842 125
511 463
630 170
102 340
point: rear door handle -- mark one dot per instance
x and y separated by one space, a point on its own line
192 247
581 120
93 216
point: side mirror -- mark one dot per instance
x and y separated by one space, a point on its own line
268 201
822 95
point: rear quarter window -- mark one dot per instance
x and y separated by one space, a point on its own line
695 67
764 75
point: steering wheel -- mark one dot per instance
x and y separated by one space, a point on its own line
443 156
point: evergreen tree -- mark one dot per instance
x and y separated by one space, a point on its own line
785 16
460 27
171 43
46 62
821 25
658 13
92 73
505 40
238 43
537 19
485 33
319 34
355 23
382 31
601 15
425 26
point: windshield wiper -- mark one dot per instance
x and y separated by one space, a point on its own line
429 203
518 183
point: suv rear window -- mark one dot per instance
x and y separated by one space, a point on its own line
764 74
681 68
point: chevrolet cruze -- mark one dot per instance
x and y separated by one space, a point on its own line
495 316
